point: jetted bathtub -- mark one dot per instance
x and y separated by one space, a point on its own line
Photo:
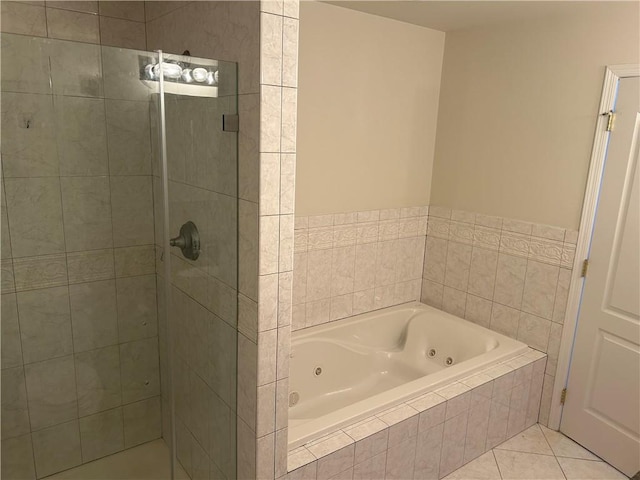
347 370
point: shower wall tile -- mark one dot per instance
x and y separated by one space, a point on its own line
57 448
17 457
128 137
518 279
11 346
139 370
81 135
51 392
101 434
87 213
137 311
8 283
18 17
28 135
132 210
90 266
270 49
40 272
131 261
15 414
45 324
127 10
35 215
93 315
70 25
142 422
98 380
25 65
80 6
83 82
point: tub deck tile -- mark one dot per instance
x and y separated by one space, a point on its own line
476 380
298 458
427 401
397 414
365 428
329 444
453 390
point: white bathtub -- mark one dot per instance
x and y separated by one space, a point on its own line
345 371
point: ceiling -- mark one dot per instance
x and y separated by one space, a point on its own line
459 15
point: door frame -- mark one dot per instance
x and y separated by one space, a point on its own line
613 73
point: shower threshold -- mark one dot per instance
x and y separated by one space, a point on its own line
149 461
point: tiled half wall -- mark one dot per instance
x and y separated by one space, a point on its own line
431 436
510 276
351 263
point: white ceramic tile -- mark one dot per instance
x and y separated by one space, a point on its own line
540 289
270 49
122 33
454 301
565 447
270 118
477 426
482 468
428 452
132 10
299 457
549 232
510 277
69 25
530 441
575 469
57 448
38 272
94 315
45 324
11 345
290 50
18 17
401 460
486 237
87 213
562 294
482 273
15 412
505 320
453 438
534 331
142 422
478 310
458 264
371 445
488 221
101 434
336 462
371 468
17 453
527 465
329 444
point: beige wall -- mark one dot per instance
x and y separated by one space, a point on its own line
518 110
367 109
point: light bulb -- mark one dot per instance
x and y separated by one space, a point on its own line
186 75
199 74
212 78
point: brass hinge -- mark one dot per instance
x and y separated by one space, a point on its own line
563 396
610 118
585 267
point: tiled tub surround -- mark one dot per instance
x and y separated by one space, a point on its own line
430 436
351 263
507 275
80 374
376 360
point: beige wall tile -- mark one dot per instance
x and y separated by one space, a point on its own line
57 448
126 10
17 453
18 17
70 25
45 324
93 314
101 434
98 380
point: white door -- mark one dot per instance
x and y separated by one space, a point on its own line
602 409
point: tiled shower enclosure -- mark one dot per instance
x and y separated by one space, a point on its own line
87 338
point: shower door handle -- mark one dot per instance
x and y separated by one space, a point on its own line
188 241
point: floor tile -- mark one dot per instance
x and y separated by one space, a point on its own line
577 469
565 447
530 441
482 468
149 461
527 466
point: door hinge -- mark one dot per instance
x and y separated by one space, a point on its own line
563 396
610 118
585 267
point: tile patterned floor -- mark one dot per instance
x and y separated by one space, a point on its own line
537 454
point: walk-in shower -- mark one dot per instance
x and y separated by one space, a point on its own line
109 157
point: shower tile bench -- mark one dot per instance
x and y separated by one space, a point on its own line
430 436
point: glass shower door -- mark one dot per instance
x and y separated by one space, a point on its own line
198 171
